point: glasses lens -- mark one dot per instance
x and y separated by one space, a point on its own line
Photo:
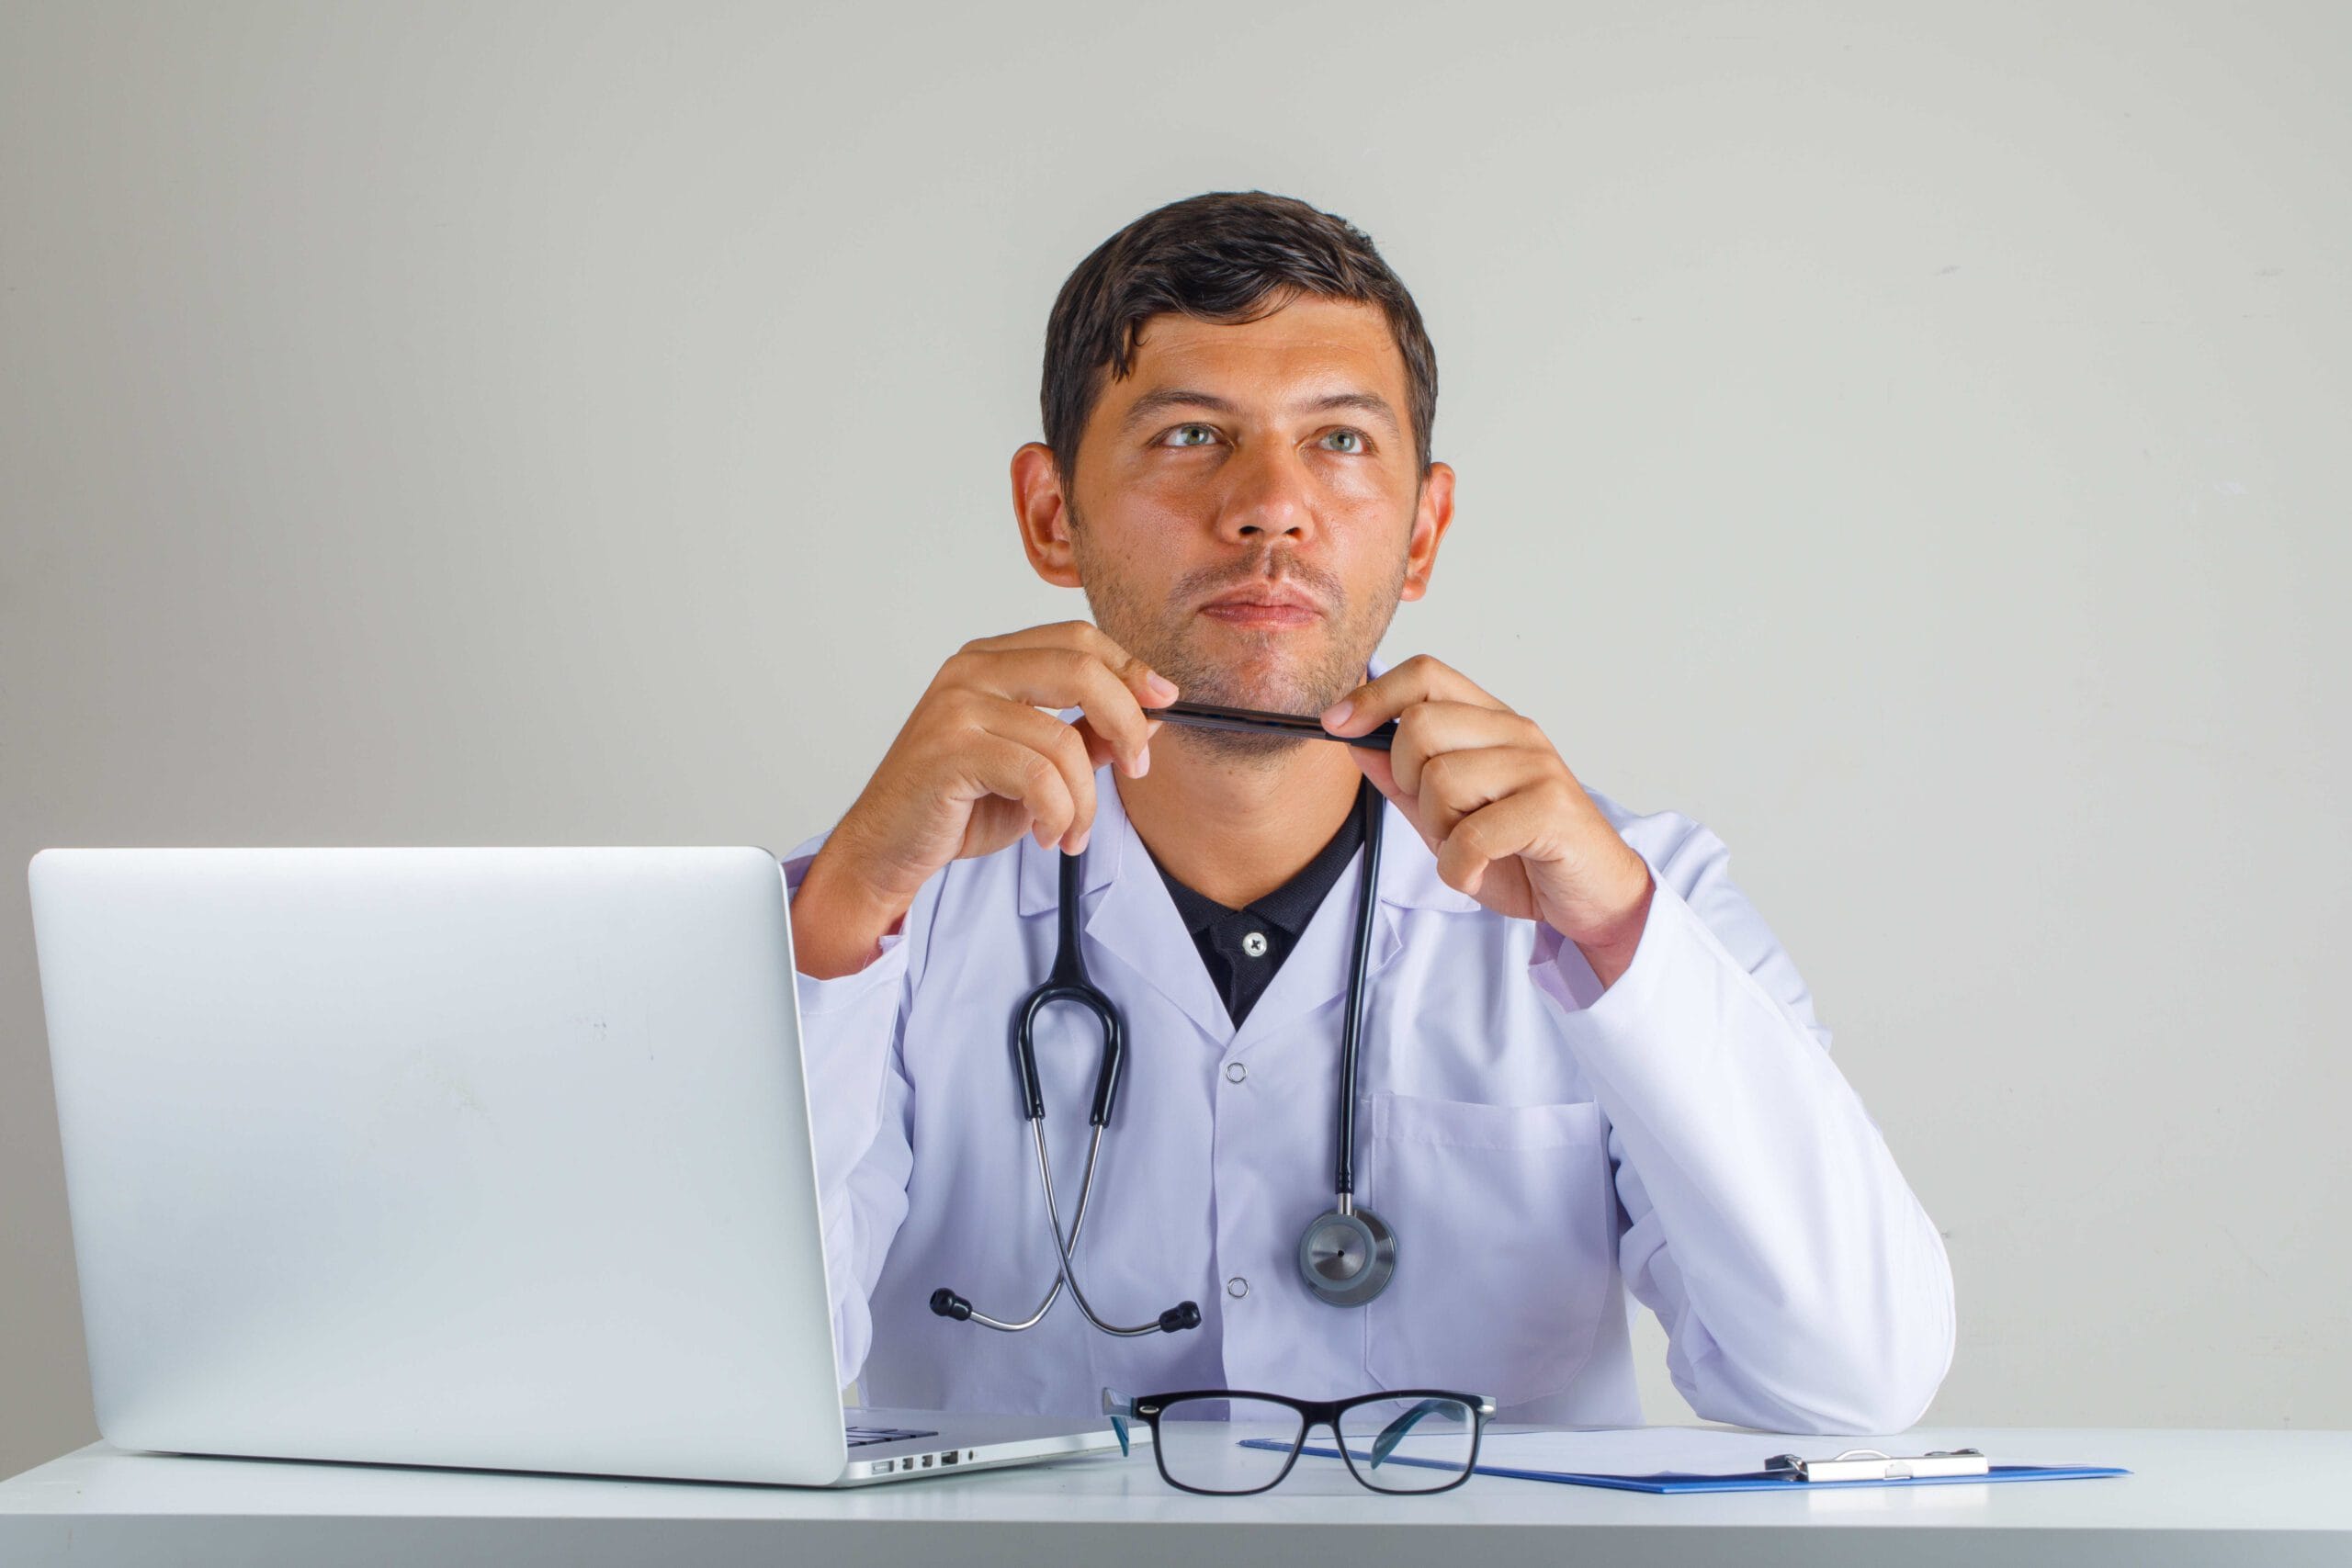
1409 1443
1226 1444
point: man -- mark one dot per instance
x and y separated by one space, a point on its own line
1586 1065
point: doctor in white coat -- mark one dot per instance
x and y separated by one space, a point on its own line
1589 1075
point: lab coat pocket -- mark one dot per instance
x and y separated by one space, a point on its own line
1505 1224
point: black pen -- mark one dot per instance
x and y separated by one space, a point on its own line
1209 715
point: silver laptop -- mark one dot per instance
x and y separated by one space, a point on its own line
486 1157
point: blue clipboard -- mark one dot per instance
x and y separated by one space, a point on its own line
1675 1482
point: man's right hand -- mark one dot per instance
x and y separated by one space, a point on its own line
975 766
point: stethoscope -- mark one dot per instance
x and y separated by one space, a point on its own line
1346 1255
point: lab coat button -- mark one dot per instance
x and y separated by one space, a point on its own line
1254 944
1236 1287
1234 1072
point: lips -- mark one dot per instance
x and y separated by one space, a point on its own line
1262 606
1264 600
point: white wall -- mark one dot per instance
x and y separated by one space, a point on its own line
1910 440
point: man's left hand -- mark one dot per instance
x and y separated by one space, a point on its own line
1509 824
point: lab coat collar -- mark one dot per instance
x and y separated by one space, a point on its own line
1137 920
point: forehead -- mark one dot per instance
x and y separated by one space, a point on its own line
1311 342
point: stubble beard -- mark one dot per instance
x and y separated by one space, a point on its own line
1319 671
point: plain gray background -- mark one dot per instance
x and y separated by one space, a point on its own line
1909 439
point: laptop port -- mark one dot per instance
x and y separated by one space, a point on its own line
926 1461
949 1459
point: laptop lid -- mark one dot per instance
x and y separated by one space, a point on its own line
492 1156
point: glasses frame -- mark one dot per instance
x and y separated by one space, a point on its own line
1312 1413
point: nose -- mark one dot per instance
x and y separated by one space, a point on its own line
1271 497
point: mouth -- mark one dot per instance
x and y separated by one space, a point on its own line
1269 608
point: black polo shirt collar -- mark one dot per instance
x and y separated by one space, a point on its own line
1243 948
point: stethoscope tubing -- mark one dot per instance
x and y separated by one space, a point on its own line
1069 1270
1343 1180
1077 1224
1068 982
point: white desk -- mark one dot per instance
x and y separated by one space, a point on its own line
2203 1497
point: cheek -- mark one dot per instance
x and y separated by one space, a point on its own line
1149 504
1369 482
1172 497
1128 572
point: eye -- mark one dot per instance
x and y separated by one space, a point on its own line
1357 436
1184 430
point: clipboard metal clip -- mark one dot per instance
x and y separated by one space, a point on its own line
1868 1464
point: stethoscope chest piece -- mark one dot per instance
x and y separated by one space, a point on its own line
1347 1255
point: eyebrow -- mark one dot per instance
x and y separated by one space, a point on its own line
1164 397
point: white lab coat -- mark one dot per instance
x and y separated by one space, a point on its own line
1541 1147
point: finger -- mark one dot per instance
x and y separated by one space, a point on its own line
1382 773
1504 829
1149 687
991 764
1100 750
1429 729
1419 680
1061 744
1083 637
1457 783
1068 677
1374 765
1154 689
1139 677
1064 678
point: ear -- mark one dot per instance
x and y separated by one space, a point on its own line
1043 513
1432 515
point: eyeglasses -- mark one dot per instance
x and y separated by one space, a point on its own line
1229 1442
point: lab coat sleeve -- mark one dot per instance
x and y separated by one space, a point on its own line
851 1030
1803 1287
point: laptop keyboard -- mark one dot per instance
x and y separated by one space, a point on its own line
859 1437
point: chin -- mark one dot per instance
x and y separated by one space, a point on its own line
1277 673
1275 685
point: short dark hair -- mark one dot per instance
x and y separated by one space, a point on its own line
1226 257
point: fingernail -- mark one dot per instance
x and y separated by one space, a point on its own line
1162 688
1079 847
1338 712
1143 761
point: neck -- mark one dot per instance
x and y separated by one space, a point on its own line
1236 831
